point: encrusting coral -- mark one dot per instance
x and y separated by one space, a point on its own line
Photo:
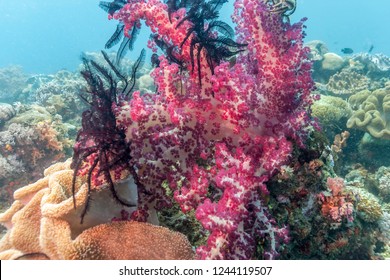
368 206
347 82
43 223
331 110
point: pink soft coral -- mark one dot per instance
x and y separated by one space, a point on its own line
217 142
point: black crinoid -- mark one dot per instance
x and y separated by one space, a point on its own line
112 7
174 5
101 151
213 36
128 40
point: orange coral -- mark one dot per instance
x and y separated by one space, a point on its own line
336 206
340 141
49 135
36 154
337 245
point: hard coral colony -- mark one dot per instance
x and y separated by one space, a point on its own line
225 117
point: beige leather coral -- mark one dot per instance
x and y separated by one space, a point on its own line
58 203
122 240
372 112
43 223
22 219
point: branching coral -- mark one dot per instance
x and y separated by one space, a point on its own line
17 134
10 160
59 93
49 135
10 167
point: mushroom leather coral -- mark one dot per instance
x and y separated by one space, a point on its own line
58 203
373 112
124 240
22 219
43 223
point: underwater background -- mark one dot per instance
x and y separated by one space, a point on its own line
45 36
334 194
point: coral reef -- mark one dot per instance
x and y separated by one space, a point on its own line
349 75
33 141
384 225
58 93
321 212
16 134
373 65
340 142
30 141
218 140
371 151
325 63
317 50
10 167
12 82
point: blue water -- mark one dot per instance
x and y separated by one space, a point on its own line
45 36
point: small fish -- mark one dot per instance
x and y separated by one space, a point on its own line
371 48
347 50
